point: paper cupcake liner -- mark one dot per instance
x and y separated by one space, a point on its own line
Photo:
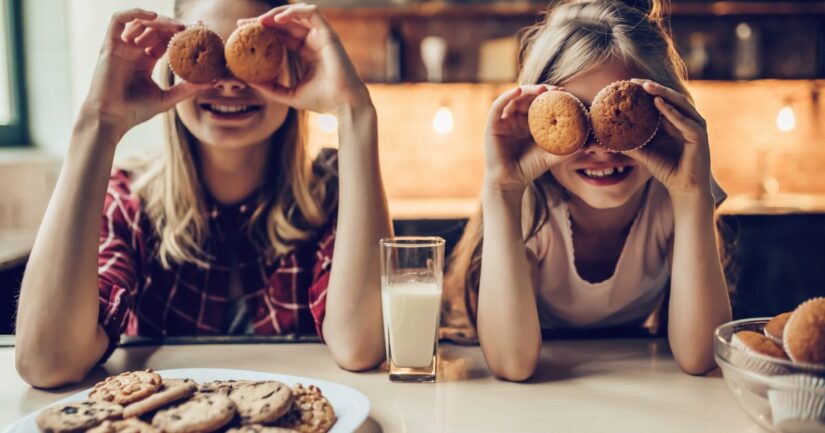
752 361
169 44
772 338
803 406
815 367
645 143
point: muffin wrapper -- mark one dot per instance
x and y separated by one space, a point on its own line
169 45
772 338
750 360
645 143
800 407
815 367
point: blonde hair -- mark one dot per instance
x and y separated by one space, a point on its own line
572 37
293 201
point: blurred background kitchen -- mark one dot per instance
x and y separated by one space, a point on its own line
433 68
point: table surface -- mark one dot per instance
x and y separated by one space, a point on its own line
582 385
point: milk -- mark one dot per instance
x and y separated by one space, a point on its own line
411 313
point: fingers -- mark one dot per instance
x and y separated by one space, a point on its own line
690 129
119 20
673 97
299 12
276 92
180 92
522 103
497 109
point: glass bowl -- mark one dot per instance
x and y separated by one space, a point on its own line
781 396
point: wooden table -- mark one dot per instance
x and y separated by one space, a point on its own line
582 386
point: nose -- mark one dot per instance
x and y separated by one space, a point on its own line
229 84
592 147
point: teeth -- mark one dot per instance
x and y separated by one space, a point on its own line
605 172
228 108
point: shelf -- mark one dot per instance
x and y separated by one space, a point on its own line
531 9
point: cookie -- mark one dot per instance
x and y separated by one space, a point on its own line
202 413
311 412
254 53
126 387
558 122
76 417
129 425
804 334
623 116
196 55
222 386
171 391
262 402
259 428
776 326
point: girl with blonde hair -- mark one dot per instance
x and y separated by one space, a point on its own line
594 239
231 229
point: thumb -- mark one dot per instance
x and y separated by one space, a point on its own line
179 92
276 92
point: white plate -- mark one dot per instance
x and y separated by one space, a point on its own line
351 406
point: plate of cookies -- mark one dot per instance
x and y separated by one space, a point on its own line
203 400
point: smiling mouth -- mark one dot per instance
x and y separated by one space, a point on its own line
222 109
610 173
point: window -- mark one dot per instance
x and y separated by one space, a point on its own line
13 125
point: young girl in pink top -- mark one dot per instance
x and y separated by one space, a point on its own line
590 240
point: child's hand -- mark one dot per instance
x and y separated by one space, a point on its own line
329 80
123 93
513 159
684 170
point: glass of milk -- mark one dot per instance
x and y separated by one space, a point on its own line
412 272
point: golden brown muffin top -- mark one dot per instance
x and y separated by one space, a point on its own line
761 344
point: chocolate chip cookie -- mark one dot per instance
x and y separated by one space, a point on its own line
77 417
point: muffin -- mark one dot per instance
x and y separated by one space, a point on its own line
254 53
804 334
196 55
774 328
558 122
623 117
754 347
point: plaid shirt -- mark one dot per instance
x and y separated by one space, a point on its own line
138 296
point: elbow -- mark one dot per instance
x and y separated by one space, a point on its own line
46 373
695 365
357 360
514 369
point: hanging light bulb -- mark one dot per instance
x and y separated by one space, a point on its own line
786 119
327 123
443 121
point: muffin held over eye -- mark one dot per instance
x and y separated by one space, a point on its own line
624 117
254 53
558 122
196 55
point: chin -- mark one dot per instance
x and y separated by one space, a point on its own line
599 200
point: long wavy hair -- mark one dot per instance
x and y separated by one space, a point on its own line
571 37
169 186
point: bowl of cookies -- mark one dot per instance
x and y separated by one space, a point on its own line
775 367
203 400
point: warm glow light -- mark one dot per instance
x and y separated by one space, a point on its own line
327 123
443 121
743 31
786 119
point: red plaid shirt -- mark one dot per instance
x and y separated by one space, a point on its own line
140 297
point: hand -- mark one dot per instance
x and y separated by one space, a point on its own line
681 164
513 159
123 93
329 82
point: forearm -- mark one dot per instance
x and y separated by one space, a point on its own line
508 324
57 325
353 323
699 298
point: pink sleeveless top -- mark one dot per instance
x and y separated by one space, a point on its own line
565 300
